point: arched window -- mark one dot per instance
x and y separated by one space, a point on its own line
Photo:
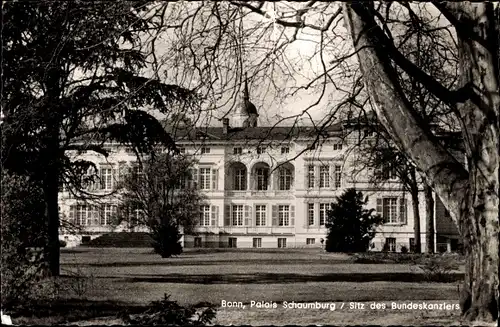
285 179
240 179
262 178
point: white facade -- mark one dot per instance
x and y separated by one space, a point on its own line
244 208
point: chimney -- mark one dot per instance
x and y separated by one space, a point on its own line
225 126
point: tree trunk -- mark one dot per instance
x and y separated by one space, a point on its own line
51 198
429 219
471 197
416 220
479 298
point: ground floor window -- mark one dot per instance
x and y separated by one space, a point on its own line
257 242
284 215
281 242
232 242
390 244
310 241
237 215
197 242
412 244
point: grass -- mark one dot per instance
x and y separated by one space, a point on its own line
134 277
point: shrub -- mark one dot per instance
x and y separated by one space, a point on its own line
62 244
350 227
404 249
166 312
439 268
23 227
166 240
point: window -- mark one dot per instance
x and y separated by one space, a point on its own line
390 244
285 179
237 215
260 215
310 176
262 179
261 150
323 208
412 244
237 150
240 179
204 215
108 213
257 242
232 242
205 178
281 242
137 214
324 176
106 178
197 242
388 211
182 150
368 132
310 214
310 241
386 172
391 212
285 150
284 215
205 150
81 215
337 146
390 207
338 176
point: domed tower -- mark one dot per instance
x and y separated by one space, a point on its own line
246 113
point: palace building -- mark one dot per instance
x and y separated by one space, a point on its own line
266 187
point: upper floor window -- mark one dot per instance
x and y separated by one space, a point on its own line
106 178
260 215
205 150
285 150
262 178
284 215
285 179
392 210
337 146
237 150
386 172
310 176
261 150
204 215
324 176
240 179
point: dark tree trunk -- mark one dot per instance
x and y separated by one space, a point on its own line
416 220
429 218
51 192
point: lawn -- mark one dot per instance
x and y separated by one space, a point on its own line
137 276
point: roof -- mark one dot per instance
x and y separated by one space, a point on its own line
254 133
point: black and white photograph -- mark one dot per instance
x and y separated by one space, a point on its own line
201 163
